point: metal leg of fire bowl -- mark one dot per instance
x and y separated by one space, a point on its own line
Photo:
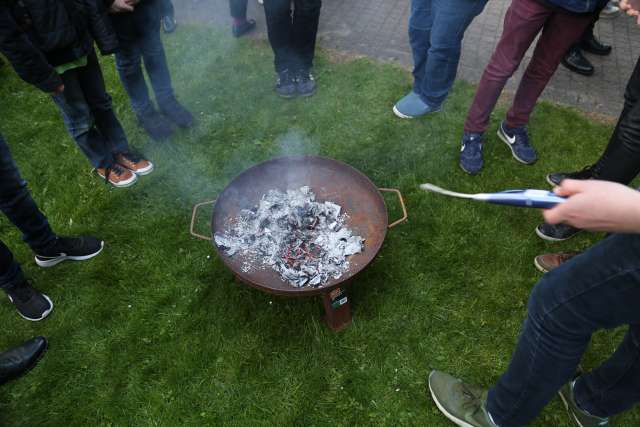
337 311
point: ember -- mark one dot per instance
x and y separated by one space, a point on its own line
305 241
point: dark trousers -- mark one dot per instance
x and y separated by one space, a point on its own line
238 8
436 29
599 289
167 8
144 46
524 19
292 34
16 203
10 272
620 162
88 114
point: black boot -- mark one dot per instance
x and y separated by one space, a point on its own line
592 45
576 62
175 112
19 360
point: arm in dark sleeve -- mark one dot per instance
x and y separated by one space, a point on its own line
100 26
28 61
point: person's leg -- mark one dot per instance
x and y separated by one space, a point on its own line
420 23
92 83
620 161
238 9
280 32
597 289
129 66
561 30
10 271
155 63
522 23
306 17
613 387
452 17
80 122
16 203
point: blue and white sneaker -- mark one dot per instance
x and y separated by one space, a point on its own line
412 106
471 160
518 141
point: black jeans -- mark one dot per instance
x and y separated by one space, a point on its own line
16 203
88 114
599 289
621 160
167 8
145 45
238 8
292 34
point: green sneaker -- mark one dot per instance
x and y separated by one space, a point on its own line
581 417
462 403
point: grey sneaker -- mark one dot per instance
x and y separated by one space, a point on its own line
462 403
581 418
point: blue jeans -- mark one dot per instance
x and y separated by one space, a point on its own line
16 203
135 48
436 29
88 114
599 289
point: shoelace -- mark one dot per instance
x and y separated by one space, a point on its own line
472 401
115 169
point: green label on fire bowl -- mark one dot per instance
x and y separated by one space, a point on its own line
338 298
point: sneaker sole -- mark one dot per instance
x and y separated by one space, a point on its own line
539 266
446 413
287 96
402 116
504 139
142 172
551 183
123 184
55 261
44 315
466 171
552 239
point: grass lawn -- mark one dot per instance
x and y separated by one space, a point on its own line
156 332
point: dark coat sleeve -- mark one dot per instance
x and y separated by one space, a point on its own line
28 61
100 26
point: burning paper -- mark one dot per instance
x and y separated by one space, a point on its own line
305 241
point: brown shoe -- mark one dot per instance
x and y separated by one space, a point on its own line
547 262
118 176
134 163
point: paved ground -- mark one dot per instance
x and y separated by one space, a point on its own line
378 28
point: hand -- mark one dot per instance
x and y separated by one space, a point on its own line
632 7
58 90
120 6
597 206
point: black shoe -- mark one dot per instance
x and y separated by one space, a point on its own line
31 304
169 24
155 125
175 112
556 233
241 29
72 248
286 85
576 62
556 178
305 83
592 45
17 361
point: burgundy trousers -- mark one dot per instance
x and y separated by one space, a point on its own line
522 23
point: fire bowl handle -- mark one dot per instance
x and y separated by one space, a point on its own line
193 220
402 205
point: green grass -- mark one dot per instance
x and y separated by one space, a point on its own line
155 331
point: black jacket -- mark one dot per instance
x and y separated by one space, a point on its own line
38 35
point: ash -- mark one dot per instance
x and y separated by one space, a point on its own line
305 241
